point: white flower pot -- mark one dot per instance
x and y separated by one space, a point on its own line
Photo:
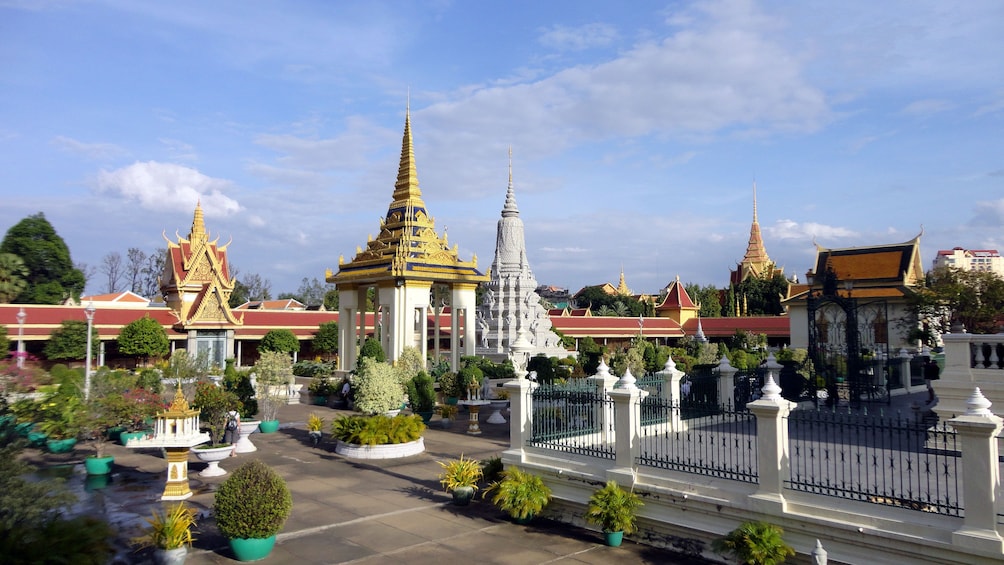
244 444
213 456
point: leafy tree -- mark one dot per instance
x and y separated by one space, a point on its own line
707 297
144 338
372 349
616 304
761 296
546 368
52 277
69 341
590 354
326 339
13 277
280 340
4 342
974 299
331 300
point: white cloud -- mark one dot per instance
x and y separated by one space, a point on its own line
179 150
99 151
990 213
166 186
790 229
565 38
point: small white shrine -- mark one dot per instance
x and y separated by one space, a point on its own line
176 430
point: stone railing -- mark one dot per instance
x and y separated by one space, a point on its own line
971 361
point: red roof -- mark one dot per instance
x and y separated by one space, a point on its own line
771 326
618 327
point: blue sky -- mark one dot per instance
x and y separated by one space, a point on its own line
637 130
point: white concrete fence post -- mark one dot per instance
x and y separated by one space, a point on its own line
604 382
520 418
771 412
978 429
726 382
627 411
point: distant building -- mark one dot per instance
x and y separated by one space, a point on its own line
971 260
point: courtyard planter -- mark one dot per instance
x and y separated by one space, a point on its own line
99 465
244 444
268 426
389 451
213 456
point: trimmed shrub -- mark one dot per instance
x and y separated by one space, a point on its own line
253 502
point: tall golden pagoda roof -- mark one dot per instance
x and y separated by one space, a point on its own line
407 246
756 262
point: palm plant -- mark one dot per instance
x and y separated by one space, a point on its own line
755 543
613 508
169 530
520 494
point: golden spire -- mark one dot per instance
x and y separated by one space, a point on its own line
406 188
622 287
180 403
198 224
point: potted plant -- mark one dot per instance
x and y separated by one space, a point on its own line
99 416
460 478
321 387
169 533
314 426
613 509
448 412
273 371
422 393
216 405
62 416
449 385
251 506
520 494
754 543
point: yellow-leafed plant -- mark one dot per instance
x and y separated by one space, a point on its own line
170 529
460 473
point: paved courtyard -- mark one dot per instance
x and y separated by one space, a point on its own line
350 511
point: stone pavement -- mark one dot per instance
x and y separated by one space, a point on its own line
378 511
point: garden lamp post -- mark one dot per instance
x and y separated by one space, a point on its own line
89 312
20 338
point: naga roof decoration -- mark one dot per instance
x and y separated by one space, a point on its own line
407 246
196 280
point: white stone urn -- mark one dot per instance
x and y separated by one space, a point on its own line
244 444
213 456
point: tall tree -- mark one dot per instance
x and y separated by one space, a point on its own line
13 277
973 299
152 269
311 292
707 297
326 339
135 261
111 268
52 278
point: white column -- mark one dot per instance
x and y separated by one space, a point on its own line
627 429
520 419
726 382
978 430
771 413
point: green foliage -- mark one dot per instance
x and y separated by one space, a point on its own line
408 364
322 386
69 341
184 366
590 355
755 543
309 368
613 508
546 367
24 504
274 371
326 339
604 304
376 387
449 384
761 296
144 338
84 540
52 277
372 349
239 382
707 297
971 298
422 393
13 277
214 403
62 415
279 340
170 529
520 494
4 342
253 502
149 379
377 430
491 468
470 377
459 473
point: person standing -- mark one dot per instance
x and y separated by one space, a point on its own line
931 373
233 430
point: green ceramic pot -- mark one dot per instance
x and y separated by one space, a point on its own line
268 426
320 400
60 445
115 433
462 495
99 465
252 549
613 539
37 439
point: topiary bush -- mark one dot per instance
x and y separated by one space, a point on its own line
253 502
279 340
376 387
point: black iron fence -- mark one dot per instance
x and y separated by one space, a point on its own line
893 461
721 443
574 418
